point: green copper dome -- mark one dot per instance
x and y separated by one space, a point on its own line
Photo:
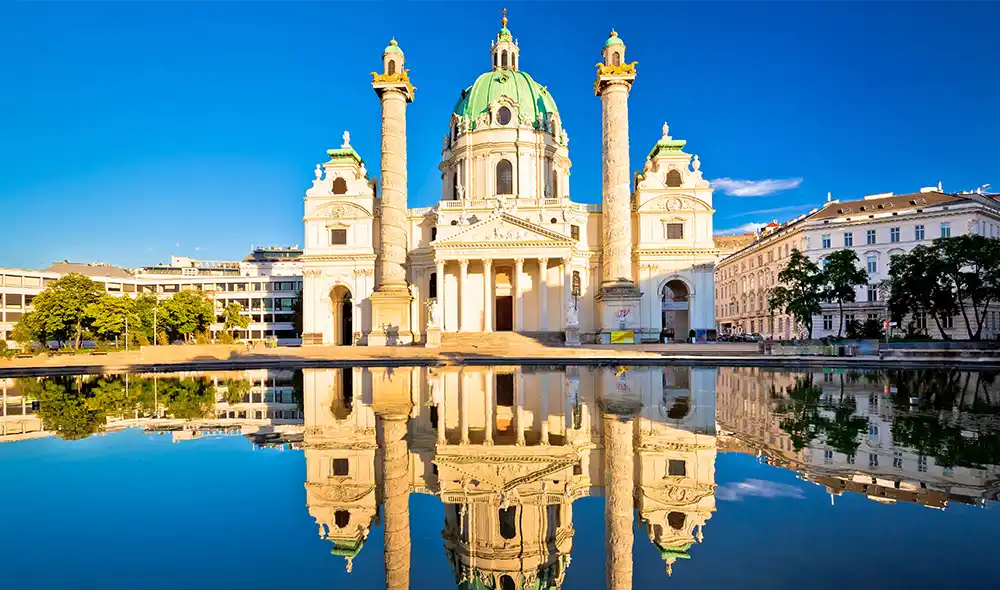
532 98
613 39
393 47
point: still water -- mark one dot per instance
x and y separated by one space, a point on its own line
501 477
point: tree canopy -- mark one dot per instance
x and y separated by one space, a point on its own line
185 314
800 292
232 317
841 277
60 311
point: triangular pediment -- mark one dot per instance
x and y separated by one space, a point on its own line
504 229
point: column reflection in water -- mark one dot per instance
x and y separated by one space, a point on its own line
508 450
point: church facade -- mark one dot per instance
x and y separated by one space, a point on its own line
506 248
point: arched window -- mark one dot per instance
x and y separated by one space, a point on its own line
454 186
673 178
555 184
505 178
503 115
392 67
507 583
616 59
432 288
680 408
676 520
339 186
508 527
341 518
495 57
503 59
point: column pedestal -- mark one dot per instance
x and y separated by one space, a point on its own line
390 319
618 307
433 337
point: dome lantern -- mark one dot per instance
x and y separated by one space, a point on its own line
614 50
504 52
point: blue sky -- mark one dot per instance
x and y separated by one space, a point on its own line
135 130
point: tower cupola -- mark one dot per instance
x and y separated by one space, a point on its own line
505 53
393 59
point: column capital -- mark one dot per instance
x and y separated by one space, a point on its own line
519 261
567 260
487 262
543 263
463 262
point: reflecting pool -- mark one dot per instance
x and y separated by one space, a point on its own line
501 477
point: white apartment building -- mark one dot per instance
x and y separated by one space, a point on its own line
266 284
877 227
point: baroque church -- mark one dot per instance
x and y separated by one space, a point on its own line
507 248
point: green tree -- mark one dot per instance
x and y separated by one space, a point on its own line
801 418
236 389
28 331
109 316
63 406
187 399
232 317
801 290
185 314
60 311
970 265
841 277
917 284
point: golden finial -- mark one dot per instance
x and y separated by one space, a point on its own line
393 41
614 33
503 21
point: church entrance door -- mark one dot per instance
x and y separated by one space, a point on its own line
504 313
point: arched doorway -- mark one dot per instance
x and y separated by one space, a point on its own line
343 316
675 301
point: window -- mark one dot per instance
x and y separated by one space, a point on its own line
432 286
897 460
945 229
827 322
870 236
508 526
673 179
872 262
392 67
555 184
893 234
872 460
574 232
922 464
505 178
676 520
873 430
827 456
675 231
338 237
676 467
434 233
872 292
503 115
826 240
948 322
918 233
339 186
848 239
503 59
342 518
920 320
340 467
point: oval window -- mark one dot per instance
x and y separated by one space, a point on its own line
503 116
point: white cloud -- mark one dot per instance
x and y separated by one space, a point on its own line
758 488
788 209
755 188
197 248
177 245
746 228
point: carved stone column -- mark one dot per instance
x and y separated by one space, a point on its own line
463 277
391 400
440 292
619 487
518 303
463 407
391 321
490 380
543 294
488 295
619 297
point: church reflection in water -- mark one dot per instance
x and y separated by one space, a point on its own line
508 450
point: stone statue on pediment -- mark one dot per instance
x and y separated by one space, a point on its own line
347 140
319 172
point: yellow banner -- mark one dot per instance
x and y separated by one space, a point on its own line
623 337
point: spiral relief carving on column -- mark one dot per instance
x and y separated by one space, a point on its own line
396 487
392 270
617 246
618 504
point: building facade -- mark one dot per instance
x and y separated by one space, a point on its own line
266 284
877 228
507 248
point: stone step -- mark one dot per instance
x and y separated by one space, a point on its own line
498 341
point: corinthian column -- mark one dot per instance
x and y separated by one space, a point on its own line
391 314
